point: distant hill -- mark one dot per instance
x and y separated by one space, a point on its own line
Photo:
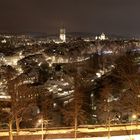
82 34
69 34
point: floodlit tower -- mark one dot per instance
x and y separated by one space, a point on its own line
63 34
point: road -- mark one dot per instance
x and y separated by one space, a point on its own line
90 131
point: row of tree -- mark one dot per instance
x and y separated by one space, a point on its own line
118 94
113 94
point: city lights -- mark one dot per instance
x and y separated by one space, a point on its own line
70 70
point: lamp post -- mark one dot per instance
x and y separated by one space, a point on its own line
133 117
41 121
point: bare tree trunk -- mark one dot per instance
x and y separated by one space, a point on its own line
75 120
108 119
75 128
10 130
109 127
17 124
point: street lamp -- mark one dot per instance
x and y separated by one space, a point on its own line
41 121
133 117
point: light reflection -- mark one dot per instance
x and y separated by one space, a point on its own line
127 137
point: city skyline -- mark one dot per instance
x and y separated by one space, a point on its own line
92 16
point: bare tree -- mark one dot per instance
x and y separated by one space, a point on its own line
125 86
127 72
7 73
73 112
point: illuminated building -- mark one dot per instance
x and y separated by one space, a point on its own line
62 34
101 37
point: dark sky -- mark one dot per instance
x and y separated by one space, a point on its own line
95 16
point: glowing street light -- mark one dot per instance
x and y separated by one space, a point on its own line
134 116
41 121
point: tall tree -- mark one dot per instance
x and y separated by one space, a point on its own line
7 73
74 112
127 72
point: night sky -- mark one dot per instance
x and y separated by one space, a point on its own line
120 17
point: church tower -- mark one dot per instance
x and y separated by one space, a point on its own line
63 34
